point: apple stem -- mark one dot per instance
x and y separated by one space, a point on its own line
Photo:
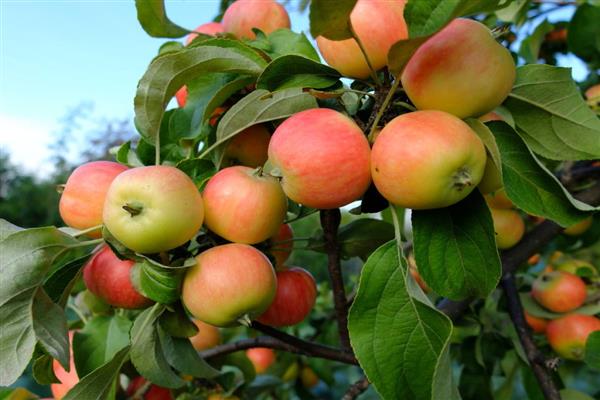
382 109
133 209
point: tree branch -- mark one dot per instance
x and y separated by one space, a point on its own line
356 389
330 221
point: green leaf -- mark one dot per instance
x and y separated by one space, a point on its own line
223 93
401 52
592 350
583 36
181 355
199 170
528 183
572 394
61 281
159 284
98 342
284 42
400 342
50 327
455 248
98 384
551 116
43 371
487 137
6 229
530 46
127 156
177 323
294 71
169 72
331 19
153 18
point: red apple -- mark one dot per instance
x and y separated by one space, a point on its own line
181 96
317 170
261 358
559 291
229 283
109 278
67 379
153 392
249 147
281 245
82 199
538 325
244 206
427 159
243 15
295 298
567 335
509 227
210 28
208 336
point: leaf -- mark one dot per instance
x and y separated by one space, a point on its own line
284 42
61 281
147 354
98 384
127 156
181 355
199 170
153 18
528 183
401 343
583 36
401 52
487 137
6 229
159 284
530 46
50 327
169 72
455 248
43 371
572 394
177 323
592 350
294 71
225 92
98 342
551 115
331 19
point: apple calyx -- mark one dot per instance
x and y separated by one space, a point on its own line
462 179
245 320
133 209
60 188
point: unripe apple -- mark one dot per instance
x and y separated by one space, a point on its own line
295 298
567 335
228 283
82 200
281 245
559 291
579 228
109 278
219 396
261 358
323 158
153 392
209 28
573 266
153 209
291 372
67 379
208 336
461 70
249 147
308 377
537 324
498 200
378 24
243 15
492 179
243 206
427 159
509 227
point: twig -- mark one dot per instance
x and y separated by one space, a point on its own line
356 389
383 107
330 221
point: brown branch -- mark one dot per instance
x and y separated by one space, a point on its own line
356 389
330 221
536 359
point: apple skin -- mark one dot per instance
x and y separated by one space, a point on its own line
427 159
377 38
282 241
243 15
109 278
249 147
509 227
579 228
68 379
308 377
82 200
317 171
261 358
153 393
295 298
208 336
567 335
219 396
227 283
209 28
171 209
559 291
461 70
573 265
593 94
498 200
537 324
242 206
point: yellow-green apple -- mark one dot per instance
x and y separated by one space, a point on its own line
427 159
499 200
152 392
228 284
243 15
461 70
244 206
153 209
249 147
378 24
281 245
323 158
67 379
295 298
537 324
509 227
579 228
82 199
209 28
291 373
573 266
261 358
109 278
559 291
568 335
208 336
308 377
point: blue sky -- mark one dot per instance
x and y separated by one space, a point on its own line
56 54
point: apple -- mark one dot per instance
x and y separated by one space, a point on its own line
461 70
209 28
308 377
498 200
244 206
153 392
109 278
153 209
291 372
229 283
68 379
559 291
573 266
261 358
323 158
378 24
181 96
281 245
219 396
509 227
592 94
82 200
579 228
295 298
249 147
538 325
427 159
567 335
243 15
208 336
